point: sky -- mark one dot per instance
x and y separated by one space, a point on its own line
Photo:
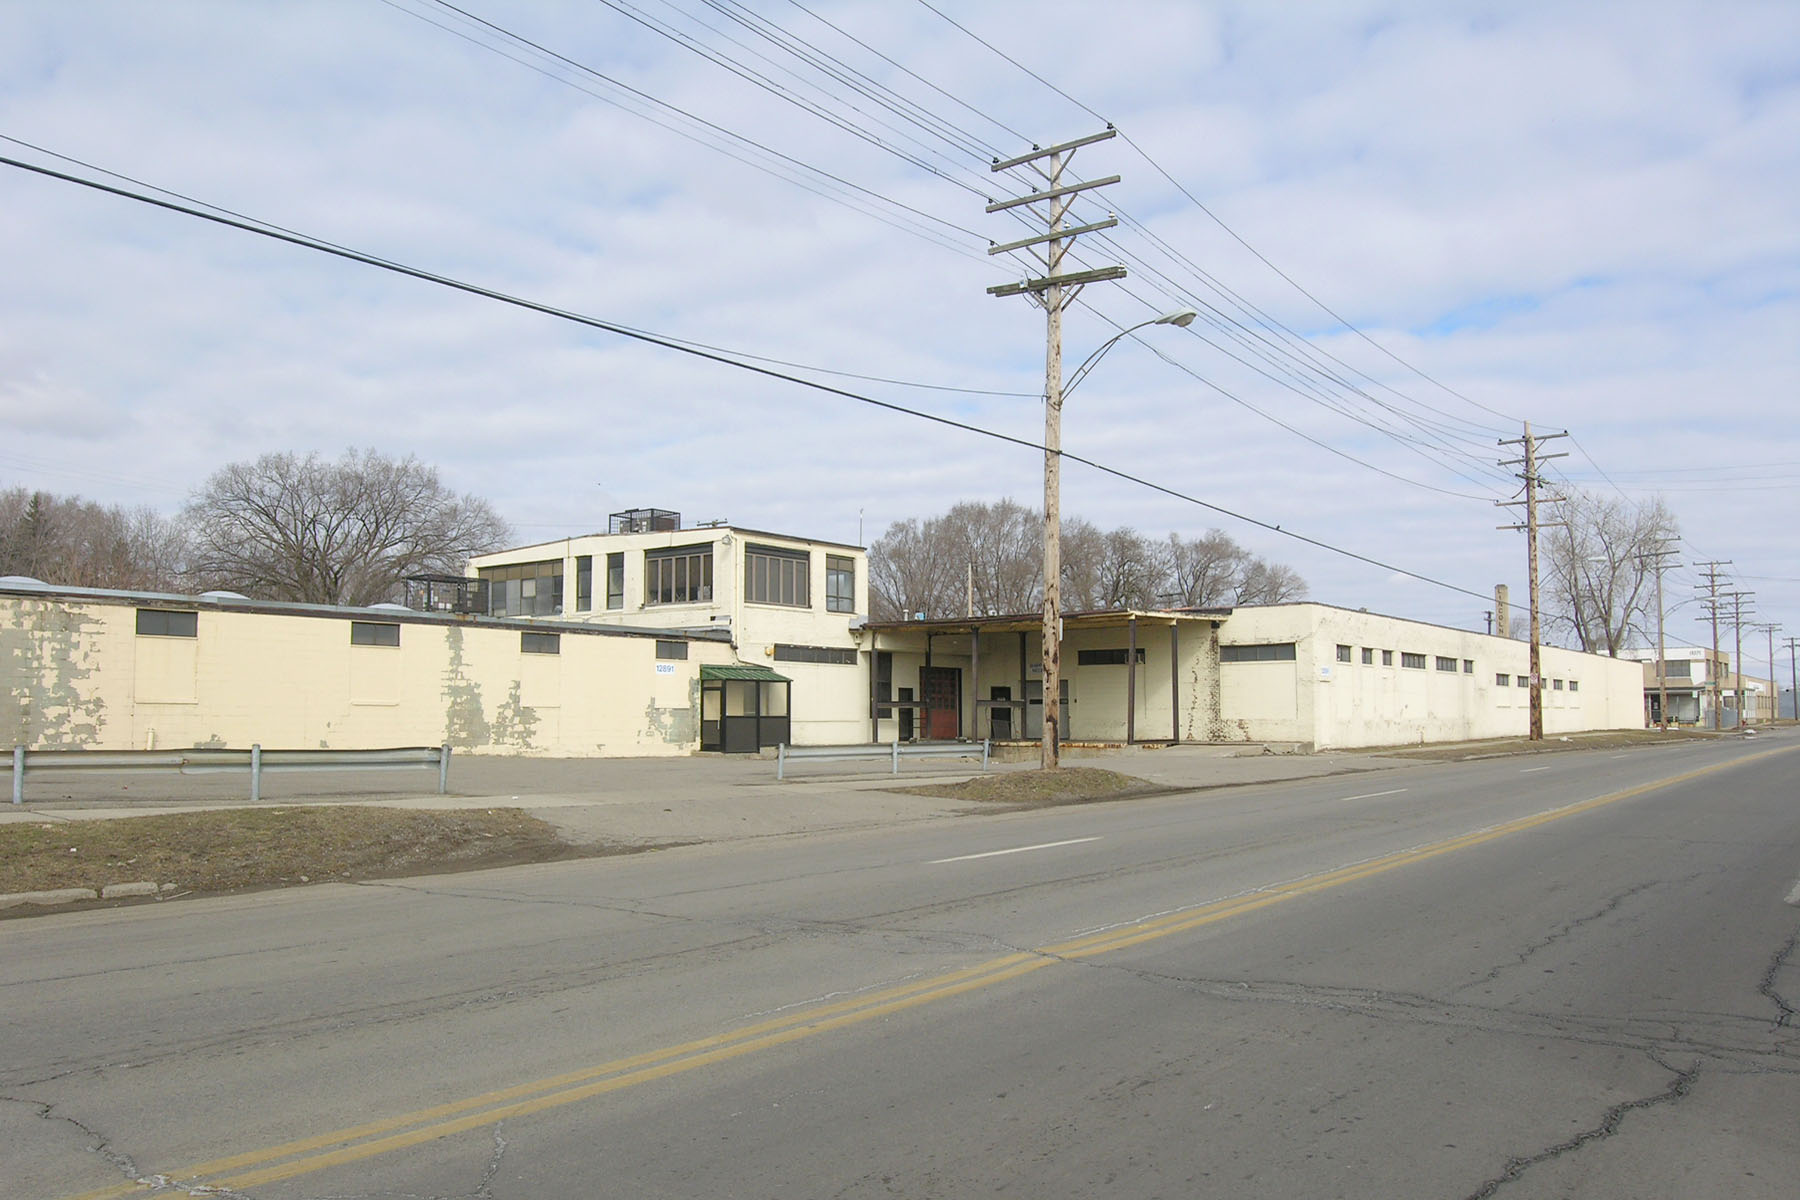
1409 228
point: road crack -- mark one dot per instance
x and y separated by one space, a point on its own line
1767 986
1609 1124
1564 931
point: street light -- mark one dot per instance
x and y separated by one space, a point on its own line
1054 393
1181 318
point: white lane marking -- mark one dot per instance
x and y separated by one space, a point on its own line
1793 897
1618 756
1529 770
1014 850
1372 795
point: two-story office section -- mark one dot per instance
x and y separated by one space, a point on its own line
789 604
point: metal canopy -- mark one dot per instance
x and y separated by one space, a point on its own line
741 671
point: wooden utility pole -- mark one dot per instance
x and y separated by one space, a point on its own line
1737 599
1053 291
1711 600
1533 482
1658 560
1769 627
1793 649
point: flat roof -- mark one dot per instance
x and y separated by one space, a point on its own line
389 613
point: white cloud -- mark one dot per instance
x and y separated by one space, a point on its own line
1578 214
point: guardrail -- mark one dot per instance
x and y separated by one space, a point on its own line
203 761
785 753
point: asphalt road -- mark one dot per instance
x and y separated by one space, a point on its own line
1572 975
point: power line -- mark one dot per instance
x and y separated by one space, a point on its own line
799 366
308 243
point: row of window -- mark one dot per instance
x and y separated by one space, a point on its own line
1408 660
158 622
678 575
1556 685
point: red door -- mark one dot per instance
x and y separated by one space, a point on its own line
941 691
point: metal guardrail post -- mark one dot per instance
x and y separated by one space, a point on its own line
18 774
444 769
255 772
781 760
896 752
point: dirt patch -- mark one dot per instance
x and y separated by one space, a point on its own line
242 848
1040 788
1611 739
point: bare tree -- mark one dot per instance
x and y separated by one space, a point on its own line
1003 542
919 567
1264 582
77 543
1204 571
344 532
913 569
1598 583
1131 572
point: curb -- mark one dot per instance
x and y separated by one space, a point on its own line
54 896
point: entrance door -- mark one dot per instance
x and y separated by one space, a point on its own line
1000 720
906 716
941 689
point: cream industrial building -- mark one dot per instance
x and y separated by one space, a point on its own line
656 638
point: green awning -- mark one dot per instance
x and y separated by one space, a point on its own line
741 671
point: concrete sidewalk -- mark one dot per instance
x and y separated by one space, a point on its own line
645 800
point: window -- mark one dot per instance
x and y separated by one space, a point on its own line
774 576
540 643
1368 657
1445 664
1524 682
1105 658
1556 685
1343 653
816 654
682 575
1503 681
374 633
1387 658
615 580
1678 670
1414 661
1468 666
525 589
157 622
672 650
840 583
584 583
1273 652
1574 685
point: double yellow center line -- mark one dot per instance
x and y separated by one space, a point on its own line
339 1147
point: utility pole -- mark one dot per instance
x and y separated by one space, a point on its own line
1711 600
1531 501
1657 558
1737 599
1769 627
1053 291
1793 649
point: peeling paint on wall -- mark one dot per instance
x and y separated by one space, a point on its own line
465 724
676 726
1208 689
514 723
45 655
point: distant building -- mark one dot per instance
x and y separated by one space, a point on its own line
1697 683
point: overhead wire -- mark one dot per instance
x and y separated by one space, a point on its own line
798 366
739 147
250 225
